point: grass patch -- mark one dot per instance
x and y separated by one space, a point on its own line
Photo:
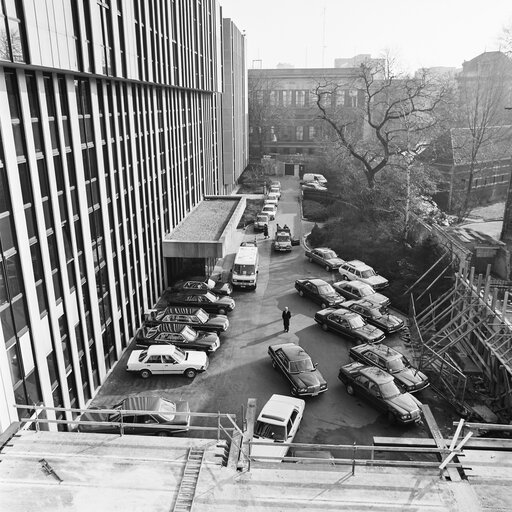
252 208
314 211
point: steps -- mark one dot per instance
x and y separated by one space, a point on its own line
186 492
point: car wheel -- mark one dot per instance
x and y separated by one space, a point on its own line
163 433
190 373
310 260
294 392
350 389
145 374
222 311
301 293
323 305
327 268
274 365
344 277
324 327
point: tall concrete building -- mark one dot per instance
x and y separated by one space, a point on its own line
113 128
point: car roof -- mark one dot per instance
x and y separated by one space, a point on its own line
317 281
359 264
355 283
292 351
163 350
362 302
322 249
143 403
379 349
279 408
164 327
345 313
181 310
376 374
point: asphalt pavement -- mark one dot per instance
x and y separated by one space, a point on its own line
241 368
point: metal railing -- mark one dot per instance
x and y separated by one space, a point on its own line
119 425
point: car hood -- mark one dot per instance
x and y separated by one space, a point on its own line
308 379
376 281
276 449
207 337
226 301
220 321
370 332
390 321
410 377
334 297
223 288
336 262
404 402
378 298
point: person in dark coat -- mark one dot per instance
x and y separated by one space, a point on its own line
286 319
265 231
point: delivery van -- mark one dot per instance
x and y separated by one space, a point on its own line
244 273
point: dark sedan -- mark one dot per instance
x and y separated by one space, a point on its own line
347 323
202 284
355 290
147 415
296 365
197 318
318 291
325 257
180 335
375 315
395 363
379 388
208 301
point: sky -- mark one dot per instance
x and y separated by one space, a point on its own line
417 33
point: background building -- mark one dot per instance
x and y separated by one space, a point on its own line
111 132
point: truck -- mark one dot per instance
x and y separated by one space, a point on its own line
283 240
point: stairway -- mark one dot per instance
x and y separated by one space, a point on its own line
186 492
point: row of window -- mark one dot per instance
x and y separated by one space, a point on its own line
305 98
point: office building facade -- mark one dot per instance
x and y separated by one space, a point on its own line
111 127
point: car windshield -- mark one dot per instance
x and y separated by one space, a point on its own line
202 316
395 365
356 322
262 218
329 255
268 208
210 296
326 289
167 410
368 273
143 355
283 238
179 355
303 365
366 290
389 390
375 312
244 269
188 334
269 431
194 285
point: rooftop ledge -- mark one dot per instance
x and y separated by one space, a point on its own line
207 230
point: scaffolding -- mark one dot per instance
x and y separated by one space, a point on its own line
463 341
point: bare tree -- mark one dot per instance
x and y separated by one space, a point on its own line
505 39
484 91
391 119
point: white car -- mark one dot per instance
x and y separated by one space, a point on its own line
356 270
167 360
270 210
271 199
277 423
274 189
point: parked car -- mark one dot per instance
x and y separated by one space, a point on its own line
392 361
379 388
325 257
375 315
313 185
356 270
314 178
262 220
270 210
277 423
180 335
275 183
271 198
200 284
275 189
164 413
355 290
167 360
296 365
345 322
318 291
197 318
208 301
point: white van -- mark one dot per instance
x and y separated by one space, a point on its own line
244 273
318 178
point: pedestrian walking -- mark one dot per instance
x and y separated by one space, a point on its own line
286 319
265 231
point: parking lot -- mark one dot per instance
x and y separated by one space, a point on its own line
241 368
